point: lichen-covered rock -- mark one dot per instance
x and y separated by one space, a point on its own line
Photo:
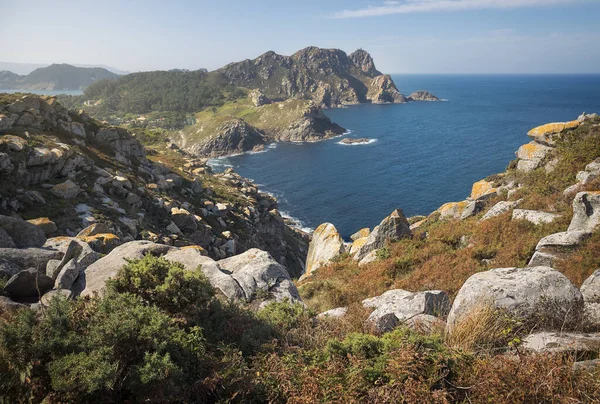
531 155
23 233
325 245
500 208
392 228
93 229
45 224
357 245
361 234
482 189
459 210
546 134
397 306
565 239
561 342
540 295
586 212
542 259
534 216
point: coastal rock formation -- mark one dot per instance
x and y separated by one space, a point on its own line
392 228
539 295
326 244
235 136
361 140
89 174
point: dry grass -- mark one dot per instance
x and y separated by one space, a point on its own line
484 330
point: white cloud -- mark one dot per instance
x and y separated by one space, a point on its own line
421 6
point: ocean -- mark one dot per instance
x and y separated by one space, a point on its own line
421 155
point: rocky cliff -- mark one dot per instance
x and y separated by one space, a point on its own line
73 172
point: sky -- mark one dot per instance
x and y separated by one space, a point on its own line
404 36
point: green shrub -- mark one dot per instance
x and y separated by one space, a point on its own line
164 283
383 253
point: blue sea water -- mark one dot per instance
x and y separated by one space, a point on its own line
423 154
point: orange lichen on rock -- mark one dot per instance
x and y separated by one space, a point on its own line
482 188
551 128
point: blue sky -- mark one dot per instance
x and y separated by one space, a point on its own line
405 36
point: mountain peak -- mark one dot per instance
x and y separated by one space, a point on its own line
363 60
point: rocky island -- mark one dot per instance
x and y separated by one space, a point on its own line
351 141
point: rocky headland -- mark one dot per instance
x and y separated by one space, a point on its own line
140 268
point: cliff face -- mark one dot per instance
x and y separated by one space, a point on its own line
66 166
329 77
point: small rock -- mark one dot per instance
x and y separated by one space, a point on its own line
500 208
45 224
325 245
555 342
334 313
55 294
66 190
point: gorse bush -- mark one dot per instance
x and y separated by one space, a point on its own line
165 284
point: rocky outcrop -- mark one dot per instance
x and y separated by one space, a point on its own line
325 245
548 133
235 136
398 306
312 125
253 276
531 155
541 296
392 228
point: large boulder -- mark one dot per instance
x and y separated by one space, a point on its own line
398 306
586 212
540 295
45 224
192 258
260 276
94 278
590 289
27 284
23 233
8 268
326 244
392 228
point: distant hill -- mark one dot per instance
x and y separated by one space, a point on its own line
56 77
